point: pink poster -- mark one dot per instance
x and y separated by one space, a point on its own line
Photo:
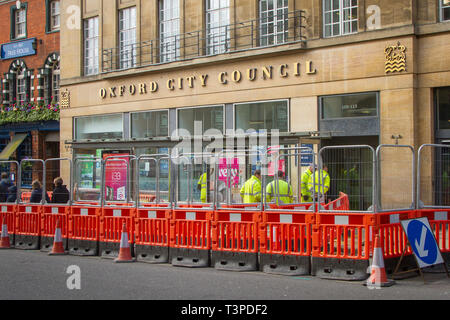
280 166
234 169
116 177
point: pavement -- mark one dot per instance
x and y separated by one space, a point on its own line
33 275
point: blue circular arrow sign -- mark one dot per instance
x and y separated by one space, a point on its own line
422 242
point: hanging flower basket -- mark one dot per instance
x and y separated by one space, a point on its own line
30 112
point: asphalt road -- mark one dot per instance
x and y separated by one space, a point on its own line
33 275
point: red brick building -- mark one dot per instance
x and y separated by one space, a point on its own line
29 71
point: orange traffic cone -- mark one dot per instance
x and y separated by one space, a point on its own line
4 243
58 247
125 251
378 276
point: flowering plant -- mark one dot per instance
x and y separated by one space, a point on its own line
29 112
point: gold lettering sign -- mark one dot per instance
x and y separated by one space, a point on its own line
252 74
395 58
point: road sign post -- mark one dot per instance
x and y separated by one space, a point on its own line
423 244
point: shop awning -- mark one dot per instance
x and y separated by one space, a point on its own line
12 146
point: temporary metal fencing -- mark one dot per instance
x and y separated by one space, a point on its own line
172 224
396 172
153 208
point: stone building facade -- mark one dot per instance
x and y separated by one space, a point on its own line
368 72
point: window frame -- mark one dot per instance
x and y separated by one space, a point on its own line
13 15
222 46
147 111
276 19
341 20
321 113
201 107
442 7
172 53
95 40
129 43
21 82
265 101
74 124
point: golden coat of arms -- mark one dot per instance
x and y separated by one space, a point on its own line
395 58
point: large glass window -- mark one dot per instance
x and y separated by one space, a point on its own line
443 105
445 9
273 21
210 117
149 124
91 60
351 105
340 17
99 127
262 116
169 29
127 37
217 26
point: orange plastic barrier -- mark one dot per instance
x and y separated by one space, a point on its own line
299 206
285 242
341 245
393 239
8 212
440 224
152 234
235 238
190 236
439 221
50 214
28 226
84 230
342 203
26 196
111 223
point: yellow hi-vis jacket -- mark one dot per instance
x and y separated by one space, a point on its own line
251 190
304 186
284 194
204 187
322 185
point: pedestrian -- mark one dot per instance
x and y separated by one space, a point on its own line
321 181
251 190
12 194
60 192
36 193
282 194
304 189
5 183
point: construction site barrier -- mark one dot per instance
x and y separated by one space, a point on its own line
152 233
84 230
28 227
190 236
393 239
285 242
235 239
340 204
340 245
8 214
50 214
439 221
111 223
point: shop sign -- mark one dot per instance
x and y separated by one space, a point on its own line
18 49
